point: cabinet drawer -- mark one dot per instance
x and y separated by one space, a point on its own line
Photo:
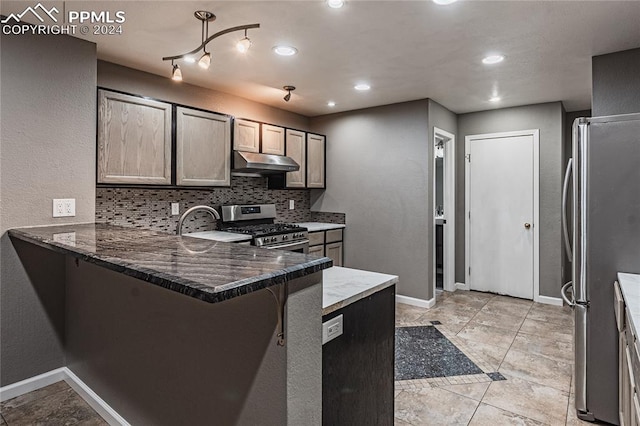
317 250
334 235
618 306
316 238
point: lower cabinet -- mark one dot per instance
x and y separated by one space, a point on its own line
358 366
328 243
629 365
334 251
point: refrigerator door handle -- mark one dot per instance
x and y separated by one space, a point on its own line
563 292
565 196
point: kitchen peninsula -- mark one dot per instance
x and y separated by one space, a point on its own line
138 331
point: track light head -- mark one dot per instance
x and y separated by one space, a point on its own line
244 44
205 61
176 74
289 89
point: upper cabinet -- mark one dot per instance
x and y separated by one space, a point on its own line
296 149
272 139
203 148
315 161
134 140
246 136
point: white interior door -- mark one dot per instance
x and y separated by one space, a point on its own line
502 213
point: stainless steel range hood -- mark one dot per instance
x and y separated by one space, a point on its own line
253 162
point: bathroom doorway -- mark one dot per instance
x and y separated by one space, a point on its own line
444 210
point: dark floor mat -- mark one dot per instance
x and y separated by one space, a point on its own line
423 352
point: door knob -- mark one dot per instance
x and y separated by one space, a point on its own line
527 225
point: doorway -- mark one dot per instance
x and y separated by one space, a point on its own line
502 197
444 210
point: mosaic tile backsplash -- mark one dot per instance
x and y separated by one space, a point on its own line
150 208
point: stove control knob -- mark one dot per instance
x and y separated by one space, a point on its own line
286 237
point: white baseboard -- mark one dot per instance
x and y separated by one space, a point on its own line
110 415
31 384
37 382
556 301
462 286
421 303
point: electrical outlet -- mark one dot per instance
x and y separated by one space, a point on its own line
292 204
63 207
175 209
70 207
332 329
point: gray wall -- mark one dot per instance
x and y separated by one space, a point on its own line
548 118
378 173
48 151
137 82
616 83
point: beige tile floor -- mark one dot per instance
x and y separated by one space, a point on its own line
530 344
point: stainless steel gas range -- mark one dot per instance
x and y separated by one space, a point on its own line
257 220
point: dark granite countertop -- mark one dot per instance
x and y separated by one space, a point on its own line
211 271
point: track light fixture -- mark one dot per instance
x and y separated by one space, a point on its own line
205 60
289 89
176 74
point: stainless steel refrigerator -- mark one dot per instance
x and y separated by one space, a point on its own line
604 215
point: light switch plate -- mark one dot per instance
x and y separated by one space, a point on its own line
332 329
292 204
175 209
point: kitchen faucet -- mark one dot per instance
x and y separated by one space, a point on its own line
207 209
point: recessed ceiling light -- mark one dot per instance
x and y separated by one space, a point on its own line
285 50
492 59
362 86
495 99
331 104
335 4
444 2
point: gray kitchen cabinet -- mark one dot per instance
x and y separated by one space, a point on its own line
134 140
295 142
203 148
315 161
246 135
272 139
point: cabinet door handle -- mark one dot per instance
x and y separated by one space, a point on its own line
527 225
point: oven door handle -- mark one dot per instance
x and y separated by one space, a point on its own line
293 244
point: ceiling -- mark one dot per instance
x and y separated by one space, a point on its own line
405 50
